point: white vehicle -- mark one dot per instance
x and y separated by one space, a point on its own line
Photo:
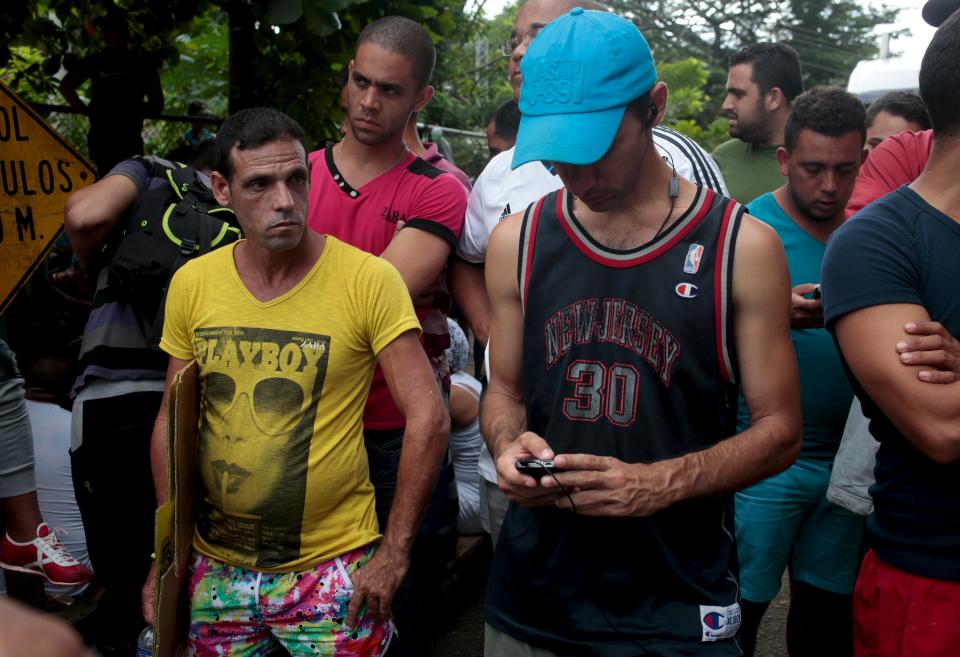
872 78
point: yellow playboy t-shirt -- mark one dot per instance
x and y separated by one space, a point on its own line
283 385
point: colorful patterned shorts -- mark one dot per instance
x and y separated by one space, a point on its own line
236 612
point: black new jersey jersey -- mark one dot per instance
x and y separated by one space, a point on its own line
627 354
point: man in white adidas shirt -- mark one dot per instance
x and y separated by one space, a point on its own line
500 191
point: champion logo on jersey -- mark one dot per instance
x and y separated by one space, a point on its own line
719 623
686 290
691 264
506 213
714 620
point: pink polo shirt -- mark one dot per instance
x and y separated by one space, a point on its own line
414 192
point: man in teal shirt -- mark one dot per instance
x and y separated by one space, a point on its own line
786 519
764 79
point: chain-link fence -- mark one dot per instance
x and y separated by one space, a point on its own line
466 149
161 135
70 123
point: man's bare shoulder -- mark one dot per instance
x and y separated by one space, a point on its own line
757 238
759 266
507 232
503 250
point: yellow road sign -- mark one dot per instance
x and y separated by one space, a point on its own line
38 170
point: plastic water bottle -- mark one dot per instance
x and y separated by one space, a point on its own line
145 642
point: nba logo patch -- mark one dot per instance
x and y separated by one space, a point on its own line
691 264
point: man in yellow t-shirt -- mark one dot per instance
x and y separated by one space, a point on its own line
286 327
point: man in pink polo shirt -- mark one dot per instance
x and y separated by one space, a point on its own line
371 192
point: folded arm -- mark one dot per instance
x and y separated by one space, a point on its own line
931 346
928 416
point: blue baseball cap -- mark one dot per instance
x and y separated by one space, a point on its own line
579 74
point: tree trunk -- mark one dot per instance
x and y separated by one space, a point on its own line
243 52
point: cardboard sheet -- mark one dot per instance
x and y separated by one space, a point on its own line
175 519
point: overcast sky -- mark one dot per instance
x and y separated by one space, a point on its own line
910 17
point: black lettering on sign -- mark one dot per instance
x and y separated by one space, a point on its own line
16 127
17 180
62 166
23 178
45 169
25 223
10 125
8 176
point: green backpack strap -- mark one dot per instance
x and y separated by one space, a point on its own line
195 196
195 235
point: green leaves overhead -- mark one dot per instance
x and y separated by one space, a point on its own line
321 22
284 12
830 35
291 54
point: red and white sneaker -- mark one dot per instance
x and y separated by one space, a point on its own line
44 556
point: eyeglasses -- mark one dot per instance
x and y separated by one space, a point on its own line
515 42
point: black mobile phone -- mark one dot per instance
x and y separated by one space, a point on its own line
816 293
536 468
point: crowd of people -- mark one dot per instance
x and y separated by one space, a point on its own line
695 365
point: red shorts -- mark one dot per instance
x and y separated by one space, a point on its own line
897 614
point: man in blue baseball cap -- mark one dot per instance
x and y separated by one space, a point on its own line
626 309
499 191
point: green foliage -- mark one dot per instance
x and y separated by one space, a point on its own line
287 54
703 29
13 16
291 54
199 71
471 82
23 73
471 75
61 31
689 109
685 80
830 35
40 40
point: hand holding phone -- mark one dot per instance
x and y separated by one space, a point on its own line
537 468
806 307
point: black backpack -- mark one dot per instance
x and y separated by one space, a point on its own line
166 227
